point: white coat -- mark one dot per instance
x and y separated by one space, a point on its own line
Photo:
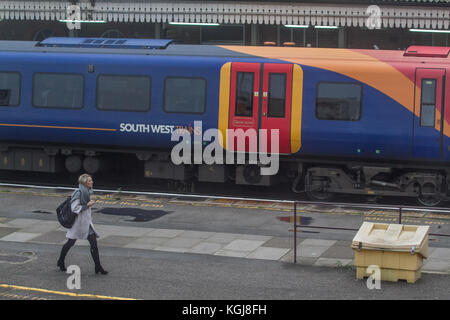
80 229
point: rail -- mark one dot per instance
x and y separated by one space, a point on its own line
400 210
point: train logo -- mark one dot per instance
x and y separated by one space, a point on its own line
147 128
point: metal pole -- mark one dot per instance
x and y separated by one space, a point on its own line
400 215
295 232
304 37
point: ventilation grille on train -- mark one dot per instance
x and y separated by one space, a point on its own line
105 43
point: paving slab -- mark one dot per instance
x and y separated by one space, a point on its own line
310 251
82 242
206 248
318 242
337 251
196 234
125 231
231 253
4 231
220 237
254 237
20 236
289 257
343 243
435 265
116 241
166 233
332 262
440 253
22 223
243 245
55 236
146 242
42 227
180 242
170 249
268 253
281 242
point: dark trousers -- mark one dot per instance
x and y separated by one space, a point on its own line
94 249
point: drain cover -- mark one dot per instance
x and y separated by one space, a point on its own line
13 258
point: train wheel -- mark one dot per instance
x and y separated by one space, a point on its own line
316 188
429 197
429 200
73 163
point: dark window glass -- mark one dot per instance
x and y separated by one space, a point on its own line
9 89
428 103
277 95
244 94
123 93
184 95
53 90
338 101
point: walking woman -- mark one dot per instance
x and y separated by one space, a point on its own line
83 228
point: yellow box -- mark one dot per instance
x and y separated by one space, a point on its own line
398 250
388 259
392 275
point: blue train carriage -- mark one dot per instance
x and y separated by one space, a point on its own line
348 121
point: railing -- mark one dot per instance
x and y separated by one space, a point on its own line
400 210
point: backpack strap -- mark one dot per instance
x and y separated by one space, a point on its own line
75 195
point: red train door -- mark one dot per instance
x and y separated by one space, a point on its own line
260 98
429 113
244 105
276 105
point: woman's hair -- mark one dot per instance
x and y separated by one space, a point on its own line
84 178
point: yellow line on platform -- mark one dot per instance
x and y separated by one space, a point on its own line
62 293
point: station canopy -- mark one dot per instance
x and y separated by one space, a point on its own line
427 14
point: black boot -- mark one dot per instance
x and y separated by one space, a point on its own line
98 266
63 254
61 265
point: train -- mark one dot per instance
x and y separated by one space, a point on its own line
346 121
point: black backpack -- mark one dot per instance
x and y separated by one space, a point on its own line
65 215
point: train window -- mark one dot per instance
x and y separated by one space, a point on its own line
58 90
277 95
338 101
123 93
244 94
184 95
9 89
428 103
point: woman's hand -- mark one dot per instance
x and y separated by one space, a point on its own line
90 203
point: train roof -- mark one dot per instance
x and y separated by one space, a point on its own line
166 47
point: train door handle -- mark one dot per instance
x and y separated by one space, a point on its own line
264 114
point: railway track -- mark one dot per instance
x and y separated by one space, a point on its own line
138 184
140 197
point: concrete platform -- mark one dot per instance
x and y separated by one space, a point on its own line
244 232
317 252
